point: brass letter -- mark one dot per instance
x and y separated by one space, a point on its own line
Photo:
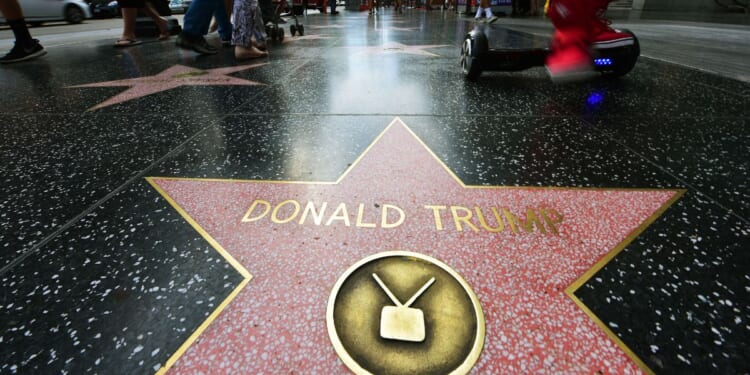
256 202
436 213
527 225
384 219
552 222
317 216
500 224
458 219
339 214
360 213
274 216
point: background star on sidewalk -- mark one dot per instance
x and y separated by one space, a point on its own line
306 37
394 28
328 27
395 47
175 76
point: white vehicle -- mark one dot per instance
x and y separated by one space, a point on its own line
176 6
37 12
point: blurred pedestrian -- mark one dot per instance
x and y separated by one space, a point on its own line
249 32
129 10
534 8
580 26
484 6
196 23
228 5
333 7
26 47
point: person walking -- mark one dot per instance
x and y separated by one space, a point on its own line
228 5
26 47
534 8
333 7
484 6
129 10
196 23
249 32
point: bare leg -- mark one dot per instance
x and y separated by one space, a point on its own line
248 30
14 16
160 21
128 23
11 10
25 47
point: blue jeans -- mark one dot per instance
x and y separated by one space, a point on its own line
198 19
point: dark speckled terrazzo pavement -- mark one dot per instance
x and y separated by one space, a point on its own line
99 273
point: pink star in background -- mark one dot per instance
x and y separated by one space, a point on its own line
305 37
395 47
393 28
328 27
176 76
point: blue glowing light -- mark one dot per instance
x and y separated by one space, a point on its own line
594 99
602 62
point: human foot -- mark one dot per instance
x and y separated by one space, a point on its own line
163 25
243 53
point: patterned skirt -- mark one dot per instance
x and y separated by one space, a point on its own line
248 23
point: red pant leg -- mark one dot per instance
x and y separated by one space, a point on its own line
573 21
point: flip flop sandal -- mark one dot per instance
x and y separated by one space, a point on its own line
120 43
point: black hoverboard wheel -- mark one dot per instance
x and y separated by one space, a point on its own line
473 51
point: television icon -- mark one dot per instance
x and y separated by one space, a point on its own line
402 322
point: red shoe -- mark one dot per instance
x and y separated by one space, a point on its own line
605 36
568 62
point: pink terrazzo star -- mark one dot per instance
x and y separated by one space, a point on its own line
328 27
395 47
394 28
176 76
291 39
399 196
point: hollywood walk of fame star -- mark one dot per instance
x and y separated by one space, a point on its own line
328 27
175 76
395 47
306 37
391 20
524 278
394 28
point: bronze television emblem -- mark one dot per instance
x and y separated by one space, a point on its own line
440 329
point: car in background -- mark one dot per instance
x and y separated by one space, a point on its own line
105 8
177 6
299 6
37 12
186 5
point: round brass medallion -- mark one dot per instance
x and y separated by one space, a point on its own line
400 312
